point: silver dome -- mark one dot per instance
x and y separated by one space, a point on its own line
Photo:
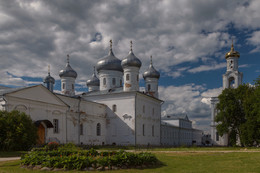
131 60
68 71
151 72
109 62
49 79
94 81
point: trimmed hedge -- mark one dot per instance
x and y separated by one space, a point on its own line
82 159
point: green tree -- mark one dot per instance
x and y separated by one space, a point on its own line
239 114
18 132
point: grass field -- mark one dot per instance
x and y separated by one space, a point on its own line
186 160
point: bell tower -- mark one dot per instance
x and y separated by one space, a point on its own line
232 78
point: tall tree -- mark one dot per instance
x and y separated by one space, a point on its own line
239 114
18 131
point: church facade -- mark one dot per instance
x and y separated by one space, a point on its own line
112 112
231 79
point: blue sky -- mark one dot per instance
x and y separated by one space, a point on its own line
188 40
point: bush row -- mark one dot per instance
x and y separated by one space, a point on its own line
80 159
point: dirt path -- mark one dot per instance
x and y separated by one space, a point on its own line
9 158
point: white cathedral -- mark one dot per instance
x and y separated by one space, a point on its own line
231 79
112 112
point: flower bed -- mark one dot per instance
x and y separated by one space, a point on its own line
75 158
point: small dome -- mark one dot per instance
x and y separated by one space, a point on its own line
131 60
49 79
68 71
109 62
151 72
94 81
232 52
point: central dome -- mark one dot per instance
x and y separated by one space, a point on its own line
131 60
109 62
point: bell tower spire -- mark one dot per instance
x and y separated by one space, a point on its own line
232 78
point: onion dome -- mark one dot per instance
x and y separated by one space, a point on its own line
109 62
68 71
49 78
94 81
151 72
131 59
232 52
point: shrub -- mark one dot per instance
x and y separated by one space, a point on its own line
52 146
18 132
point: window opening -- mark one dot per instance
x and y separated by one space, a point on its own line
56 126
98 129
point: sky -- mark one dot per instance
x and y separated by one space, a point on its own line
188 40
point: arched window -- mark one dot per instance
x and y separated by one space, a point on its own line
104 81
149 87
114 108
143 130
153 130
231 82
98 129
113 81
127 77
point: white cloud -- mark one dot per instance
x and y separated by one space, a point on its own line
207 68
255 40
188 99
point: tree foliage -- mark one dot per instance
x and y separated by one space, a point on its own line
239 114
18 132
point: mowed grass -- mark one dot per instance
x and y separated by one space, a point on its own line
183 161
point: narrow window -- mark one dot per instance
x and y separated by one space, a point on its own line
217 136
153 130
56 126
137 78
72 86
114 81
127 77
143 108
81 129
143 130
149 87
63 85
121 82
104 81
153 111
114 108
98 129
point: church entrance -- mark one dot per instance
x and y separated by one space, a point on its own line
41 134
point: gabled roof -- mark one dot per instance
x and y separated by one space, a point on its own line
34 93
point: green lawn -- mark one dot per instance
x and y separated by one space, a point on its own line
184 162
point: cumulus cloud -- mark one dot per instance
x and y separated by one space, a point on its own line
189 99
37 33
